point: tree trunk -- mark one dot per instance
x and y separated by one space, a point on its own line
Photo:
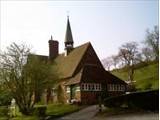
131 73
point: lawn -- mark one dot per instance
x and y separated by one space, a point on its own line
20 118
146 77
61 109
52 110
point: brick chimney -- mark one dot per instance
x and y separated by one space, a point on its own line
53 48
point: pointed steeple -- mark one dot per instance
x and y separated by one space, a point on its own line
68 38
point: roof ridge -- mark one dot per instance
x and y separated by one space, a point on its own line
83 44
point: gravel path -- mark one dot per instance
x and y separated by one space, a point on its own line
134 116
84 114
90 112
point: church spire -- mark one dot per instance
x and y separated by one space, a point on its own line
68 38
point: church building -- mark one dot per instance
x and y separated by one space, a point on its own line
82 76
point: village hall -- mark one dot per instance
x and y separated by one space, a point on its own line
82 76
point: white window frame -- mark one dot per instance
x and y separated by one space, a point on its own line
68 89
77 88
91 87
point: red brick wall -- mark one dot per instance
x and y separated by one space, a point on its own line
88 97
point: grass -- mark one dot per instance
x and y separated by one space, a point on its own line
146 77
61 109
52 110
20 118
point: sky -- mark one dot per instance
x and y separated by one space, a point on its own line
106 24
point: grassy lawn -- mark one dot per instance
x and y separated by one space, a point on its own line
61 109
146 77
52 109
20 118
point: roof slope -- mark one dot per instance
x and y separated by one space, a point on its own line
66 65
76 79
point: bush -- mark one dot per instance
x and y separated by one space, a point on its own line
148 100
40 110
4 111
5 97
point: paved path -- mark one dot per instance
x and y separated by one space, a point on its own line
84 114
90 112
133 116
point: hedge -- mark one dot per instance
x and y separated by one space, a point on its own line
148 100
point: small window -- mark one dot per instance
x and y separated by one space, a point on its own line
119 88
78 88
122 88
113 87
86 86
82 86
68 89
110 87
116 88
100 87
96 87
89 87
93 87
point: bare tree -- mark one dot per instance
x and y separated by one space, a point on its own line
147 54
26 77
128 55
152 40
107 63
115 60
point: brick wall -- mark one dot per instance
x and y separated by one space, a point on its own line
89 97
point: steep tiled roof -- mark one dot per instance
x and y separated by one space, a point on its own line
76 79
66 65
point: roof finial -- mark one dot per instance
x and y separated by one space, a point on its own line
67 14
51 37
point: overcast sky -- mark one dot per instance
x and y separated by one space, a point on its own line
106 24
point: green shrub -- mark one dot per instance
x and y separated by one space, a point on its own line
40 110
5 97
4 111
147 100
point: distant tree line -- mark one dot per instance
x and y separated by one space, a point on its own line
130 54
